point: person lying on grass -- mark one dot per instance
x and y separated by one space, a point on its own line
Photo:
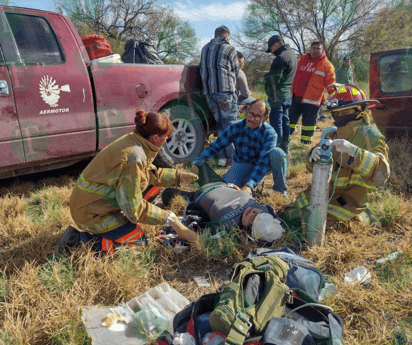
231 207
113 194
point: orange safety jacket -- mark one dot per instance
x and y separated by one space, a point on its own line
108 193
322 78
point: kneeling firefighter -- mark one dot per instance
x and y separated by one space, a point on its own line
360 160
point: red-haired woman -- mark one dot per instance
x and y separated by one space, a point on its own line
112 196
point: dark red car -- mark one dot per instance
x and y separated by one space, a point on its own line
391 85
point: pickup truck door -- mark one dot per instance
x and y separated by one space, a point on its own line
52 89
391 85
11 144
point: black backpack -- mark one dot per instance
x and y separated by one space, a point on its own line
141 52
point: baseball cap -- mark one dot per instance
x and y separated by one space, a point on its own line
272 41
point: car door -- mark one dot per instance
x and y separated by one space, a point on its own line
52 89
11 144
391 85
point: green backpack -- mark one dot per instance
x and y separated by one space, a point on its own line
256 293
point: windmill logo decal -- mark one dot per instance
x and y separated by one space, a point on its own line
50 91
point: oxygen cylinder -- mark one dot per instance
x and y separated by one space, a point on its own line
322 169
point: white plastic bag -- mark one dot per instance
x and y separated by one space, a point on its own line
359 274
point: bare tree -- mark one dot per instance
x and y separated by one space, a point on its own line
118 19
333 22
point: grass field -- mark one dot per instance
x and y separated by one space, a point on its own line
40 294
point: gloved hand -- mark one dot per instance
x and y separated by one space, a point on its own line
315 155
188 177
345 146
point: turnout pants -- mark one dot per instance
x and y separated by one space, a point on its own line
309 113
128 234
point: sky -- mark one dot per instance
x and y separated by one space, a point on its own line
204 16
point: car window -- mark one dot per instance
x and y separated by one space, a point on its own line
395 72
36 41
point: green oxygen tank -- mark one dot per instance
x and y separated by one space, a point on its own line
319 196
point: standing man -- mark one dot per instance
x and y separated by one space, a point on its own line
219 68
344 73
314 74
256 152
278 82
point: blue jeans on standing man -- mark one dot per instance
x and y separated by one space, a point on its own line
225 110
279 120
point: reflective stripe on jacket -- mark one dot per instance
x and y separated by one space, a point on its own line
108 193
353 177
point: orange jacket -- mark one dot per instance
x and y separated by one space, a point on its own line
323 76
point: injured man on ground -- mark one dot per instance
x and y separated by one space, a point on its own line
230 207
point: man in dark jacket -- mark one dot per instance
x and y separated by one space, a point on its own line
278 82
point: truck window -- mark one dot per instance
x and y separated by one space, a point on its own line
395 72
35 39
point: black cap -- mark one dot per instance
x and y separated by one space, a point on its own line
272 41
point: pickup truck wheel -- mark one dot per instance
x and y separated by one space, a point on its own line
186 143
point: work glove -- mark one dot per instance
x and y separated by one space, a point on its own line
188 177
344 146
315 155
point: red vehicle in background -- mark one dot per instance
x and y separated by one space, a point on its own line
391 85
58 107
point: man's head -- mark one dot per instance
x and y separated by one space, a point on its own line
316 50
223 32
257 113
249 216
264 226
346 62
241 59
274 43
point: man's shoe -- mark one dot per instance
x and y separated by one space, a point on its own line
69 239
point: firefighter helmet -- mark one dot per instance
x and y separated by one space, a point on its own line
346 97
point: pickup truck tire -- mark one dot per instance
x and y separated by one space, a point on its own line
186 143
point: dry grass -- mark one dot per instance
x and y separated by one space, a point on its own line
32 312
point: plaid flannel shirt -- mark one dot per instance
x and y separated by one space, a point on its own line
251 147
219 67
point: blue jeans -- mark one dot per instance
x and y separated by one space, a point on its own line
225 110
240 172
279 119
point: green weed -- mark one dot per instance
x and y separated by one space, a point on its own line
135 261
71 333
57 273
43 207
218 241
395 274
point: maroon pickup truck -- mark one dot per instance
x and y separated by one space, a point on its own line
391 85
58 107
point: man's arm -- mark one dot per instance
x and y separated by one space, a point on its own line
183 232
222 141
330 78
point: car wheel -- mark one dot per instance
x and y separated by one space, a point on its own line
187 140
